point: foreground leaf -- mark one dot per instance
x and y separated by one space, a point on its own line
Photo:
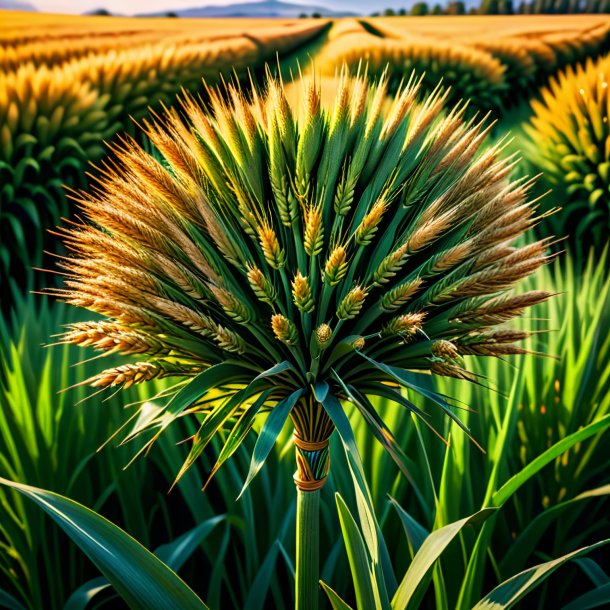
268 435
365 583
511 486
8 601
507 594
429 552
174 554
139 577
600 596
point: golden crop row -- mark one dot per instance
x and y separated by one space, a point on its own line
75 44
54 119
471 73
23 28
490 70
475 26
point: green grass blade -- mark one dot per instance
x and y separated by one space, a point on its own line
174 554
80 599
429 552
370 528
137 575
507 594
514 483
365 584
597 598
527 540
9 602
262 582
268 435
416 533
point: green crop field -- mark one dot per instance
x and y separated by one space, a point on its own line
305 313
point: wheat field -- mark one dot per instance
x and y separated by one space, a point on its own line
301 243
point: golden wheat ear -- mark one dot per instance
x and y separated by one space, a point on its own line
277 258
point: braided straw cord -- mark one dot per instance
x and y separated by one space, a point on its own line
311 436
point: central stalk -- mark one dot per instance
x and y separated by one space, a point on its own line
312 430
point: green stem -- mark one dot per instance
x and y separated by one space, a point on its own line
308 550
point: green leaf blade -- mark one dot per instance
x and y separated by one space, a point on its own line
138 576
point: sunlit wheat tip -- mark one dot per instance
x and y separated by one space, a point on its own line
351 304
111 337
127 375
313 240
284 329
336 266
406 325
270 245
261 286
401 294
229 340
369 224
390 265
233 307
359 343
301 293
445 350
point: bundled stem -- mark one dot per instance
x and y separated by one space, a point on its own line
308 549
312 433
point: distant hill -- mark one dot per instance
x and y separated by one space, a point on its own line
266 8
16 5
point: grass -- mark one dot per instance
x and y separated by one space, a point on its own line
539 402
238 558
248 559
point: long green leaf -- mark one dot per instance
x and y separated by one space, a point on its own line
415 532
81 597
175 553
402 377
507 594
365 584
511 486
262 582
218 416
141 579
370 528
527 540
268 435
239 432
429 552
194 390
380 431
9 602
219 374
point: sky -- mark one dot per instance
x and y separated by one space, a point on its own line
127 7
130 7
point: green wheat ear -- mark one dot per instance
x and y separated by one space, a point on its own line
281 259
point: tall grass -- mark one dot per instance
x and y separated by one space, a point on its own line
248 562
48 439
538 403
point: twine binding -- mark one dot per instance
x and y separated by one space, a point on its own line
313 462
